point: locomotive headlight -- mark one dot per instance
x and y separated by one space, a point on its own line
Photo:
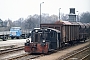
43 40
36 31
28 40
43 43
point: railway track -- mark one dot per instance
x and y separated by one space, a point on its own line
26 56
3 51
80 54
11 51
23 57
29 57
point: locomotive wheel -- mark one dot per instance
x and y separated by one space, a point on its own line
17 37
12 37
4 38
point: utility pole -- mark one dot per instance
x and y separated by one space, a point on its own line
40 11
59 13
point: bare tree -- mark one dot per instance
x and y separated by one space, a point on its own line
64 17
85 17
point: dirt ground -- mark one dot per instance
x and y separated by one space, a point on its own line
58 54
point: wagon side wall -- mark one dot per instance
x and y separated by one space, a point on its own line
68 32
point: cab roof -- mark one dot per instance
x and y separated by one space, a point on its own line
54 30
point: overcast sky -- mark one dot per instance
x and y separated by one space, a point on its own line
15 9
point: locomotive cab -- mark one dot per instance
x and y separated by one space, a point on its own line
43 40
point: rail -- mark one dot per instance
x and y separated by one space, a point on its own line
20 57
75 54
11 49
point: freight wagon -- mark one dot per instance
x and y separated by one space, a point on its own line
4 33
70 31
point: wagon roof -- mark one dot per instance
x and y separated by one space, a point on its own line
63 22
86 25
74 23
81 24
67 23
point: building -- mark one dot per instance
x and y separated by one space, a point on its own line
1 23
72 15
